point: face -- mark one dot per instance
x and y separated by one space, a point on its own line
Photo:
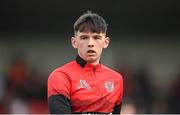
90 45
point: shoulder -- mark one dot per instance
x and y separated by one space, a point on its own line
112 72
66 66
64 70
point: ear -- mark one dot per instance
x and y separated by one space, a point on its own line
106 42
73 42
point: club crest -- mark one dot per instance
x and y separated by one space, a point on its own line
109 86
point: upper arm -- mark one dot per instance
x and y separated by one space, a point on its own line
118 103
59 83
59 93
117 109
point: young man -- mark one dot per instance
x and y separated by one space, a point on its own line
85 85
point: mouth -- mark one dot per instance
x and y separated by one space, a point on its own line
91 51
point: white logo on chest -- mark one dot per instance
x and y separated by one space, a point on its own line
109 86
83 84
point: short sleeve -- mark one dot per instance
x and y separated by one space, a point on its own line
59 83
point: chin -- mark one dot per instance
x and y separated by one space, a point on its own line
91 60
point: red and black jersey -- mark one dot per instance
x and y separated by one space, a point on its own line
79 87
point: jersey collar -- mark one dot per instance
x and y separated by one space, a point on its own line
81 61
85 65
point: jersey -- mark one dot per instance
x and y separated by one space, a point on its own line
79 87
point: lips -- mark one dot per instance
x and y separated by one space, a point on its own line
90 51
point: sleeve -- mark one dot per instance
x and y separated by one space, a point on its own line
59 93
117 108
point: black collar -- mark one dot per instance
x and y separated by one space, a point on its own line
81 61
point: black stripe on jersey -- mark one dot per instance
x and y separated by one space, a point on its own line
59 104
117 109
90 113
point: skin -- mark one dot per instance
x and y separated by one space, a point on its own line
90 45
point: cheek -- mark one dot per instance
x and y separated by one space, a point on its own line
100 48
81 47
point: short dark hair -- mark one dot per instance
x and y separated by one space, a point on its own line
90 22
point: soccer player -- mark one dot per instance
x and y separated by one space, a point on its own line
85 85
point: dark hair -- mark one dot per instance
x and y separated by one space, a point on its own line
90 22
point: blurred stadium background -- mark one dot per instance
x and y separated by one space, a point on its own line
145 45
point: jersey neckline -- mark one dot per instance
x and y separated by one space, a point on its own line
81 62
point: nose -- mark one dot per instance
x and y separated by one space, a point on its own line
91 43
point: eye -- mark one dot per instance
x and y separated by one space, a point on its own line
83 37
97 37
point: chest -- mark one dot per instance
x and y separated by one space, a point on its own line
89 87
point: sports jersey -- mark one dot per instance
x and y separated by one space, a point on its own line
79 87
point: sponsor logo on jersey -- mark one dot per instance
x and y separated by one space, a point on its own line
109 86
83 84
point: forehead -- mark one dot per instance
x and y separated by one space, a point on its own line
78 33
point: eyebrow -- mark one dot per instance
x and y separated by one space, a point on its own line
83 36
97 36
92 35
